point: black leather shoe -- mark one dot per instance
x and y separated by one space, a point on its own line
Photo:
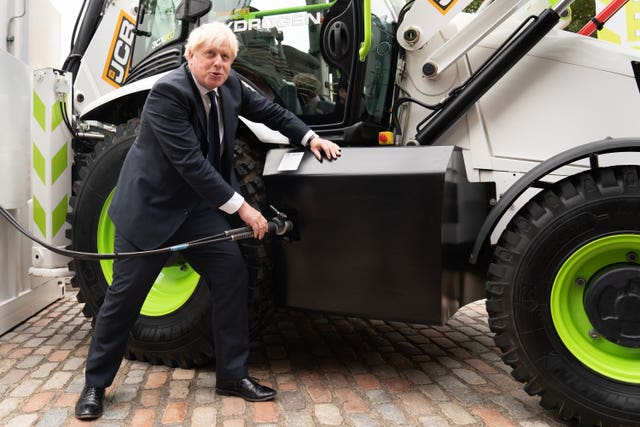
246 388
89 405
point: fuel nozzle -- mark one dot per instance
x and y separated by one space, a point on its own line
279 224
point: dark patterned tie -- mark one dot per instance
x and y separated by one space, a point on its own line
214 134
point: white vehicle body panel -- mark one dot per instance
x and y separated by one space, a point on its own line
567 91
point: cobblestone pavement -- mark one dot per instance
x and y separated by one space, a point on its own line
329 370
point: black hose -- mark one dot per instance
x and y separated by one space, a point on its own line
279 225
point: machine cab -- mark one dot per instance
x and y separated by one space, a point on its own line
303 54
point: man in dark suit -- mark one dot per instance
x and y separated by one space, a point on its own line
178 184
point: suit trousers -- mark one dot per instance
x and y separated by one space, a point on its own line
224 270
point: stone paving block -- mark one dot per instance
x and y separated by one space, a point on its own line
149 398
364 420
66 400
26 420
514 407
233 406
460 353
468 376
143 418
367 382
416 404
351 401
265 412
174 413
434 392
13 376
178 389
456 413
8 405
156 380
292 401
57 381
462 392
286 382
44 350
485 340
69 344
385 371
34 342
44 370
527 423
182 374
135 376
416 376
337 379
203 416
76 384
20 353
433 421
298 419
206 379
400 361
29 362
25 388
73 363
58 356
491 416
116 411
37 401
205 396
53 418
391 414
396 385
378 396
329 414
125 393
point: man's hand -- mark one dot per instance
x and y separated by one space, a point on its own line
318 146
254 219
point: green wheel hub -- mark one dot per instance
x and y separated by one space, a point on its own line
570 316
173 287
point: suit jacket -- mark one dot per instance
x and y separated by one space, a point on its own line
166 175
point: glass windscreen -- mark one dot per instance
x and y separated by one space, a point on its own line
157 27
280 53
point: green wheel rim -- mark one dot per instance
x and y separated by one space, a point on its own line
171 290
570 317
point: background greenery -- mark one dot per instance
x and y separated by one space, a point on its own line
581 11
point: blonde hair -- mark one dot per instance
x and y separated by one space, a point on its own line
215 33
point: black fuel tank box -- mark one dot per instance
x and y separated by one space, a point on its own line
382 232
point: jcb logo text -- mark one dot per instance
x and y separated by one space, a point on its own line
117 65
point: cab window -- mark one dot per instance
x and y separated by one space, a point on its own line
280 53
158 25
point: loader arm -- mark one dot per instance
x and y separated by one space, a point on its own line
459 101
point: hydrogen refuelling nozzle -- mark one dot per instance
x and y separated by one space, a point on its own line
279 224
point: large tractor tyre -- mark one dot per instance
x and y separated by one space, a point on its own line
563 297
174 327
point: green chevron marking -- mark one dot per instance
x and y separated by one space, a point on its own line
39 164
39 216
56 115
39 111
59 163
59 216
